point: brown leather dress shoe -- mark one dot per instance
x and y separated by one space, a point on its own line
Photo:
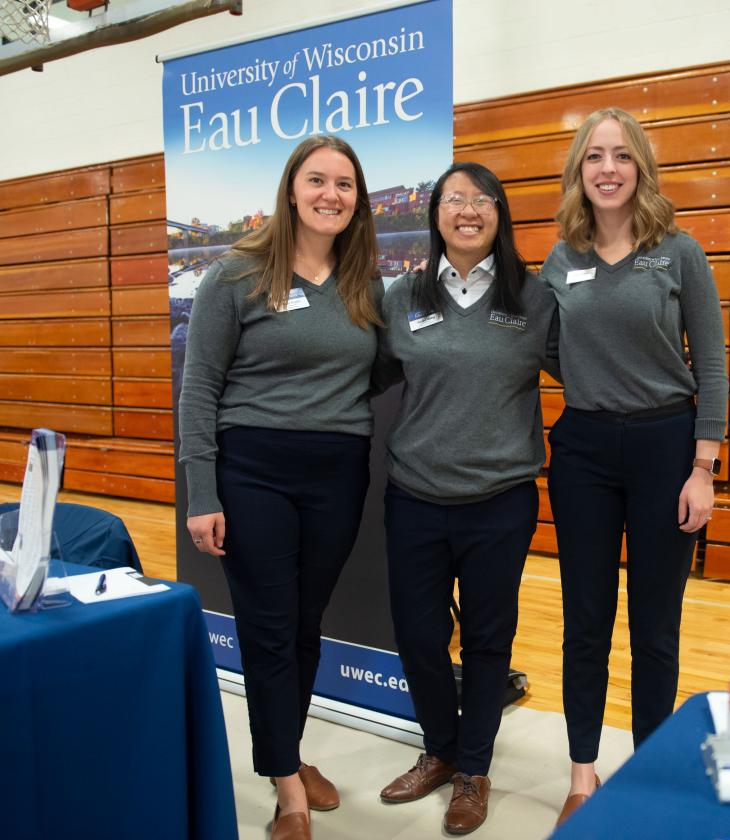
321 793
290 826
426 775
468 807
572 803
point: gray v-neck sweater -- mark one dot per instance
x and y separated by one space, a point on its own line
469 424
622 332
246 365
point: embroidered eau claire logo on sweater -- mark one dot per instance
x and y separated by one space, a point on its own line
649 263
504 319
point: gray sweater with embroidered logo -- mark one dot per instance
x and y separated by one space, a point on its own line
246 365
622 332
469 425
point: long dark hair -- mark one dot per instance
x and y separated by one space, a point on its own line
509 265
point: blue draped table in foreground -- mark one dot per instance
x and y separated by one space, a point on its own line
662 792
111 723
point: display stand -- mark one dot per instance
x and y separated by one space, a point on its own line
47 587
26 534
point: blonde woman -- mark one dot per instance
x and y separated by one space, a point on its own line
275 430
637 444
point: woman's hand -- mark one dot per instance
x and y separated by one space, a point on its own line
208 532
696 500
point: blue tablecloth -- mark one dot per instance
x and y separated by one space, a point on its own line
662 792
112 726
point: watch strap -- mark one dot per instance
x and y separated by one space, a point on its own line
712 465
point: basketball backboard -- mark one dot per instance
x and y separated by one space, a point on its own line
38 31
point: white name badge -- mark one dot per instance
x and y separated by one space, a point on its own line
297 300
417 320
580 275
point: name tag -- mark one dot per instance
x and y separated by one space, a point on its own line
580 275
297 300
417 320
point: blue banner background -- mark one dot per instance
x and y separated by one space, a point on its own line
223 157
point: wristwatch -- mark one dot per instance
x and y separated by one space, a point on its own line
712 465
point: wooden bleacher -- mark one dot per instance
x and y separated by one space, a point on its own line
84 335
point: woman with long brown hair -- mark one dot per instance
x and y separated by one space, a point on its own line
275 430
632 449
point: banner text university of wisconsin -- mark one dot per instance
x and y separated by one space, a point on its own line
301 103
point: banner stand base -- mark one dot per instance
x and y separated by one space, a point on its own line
344 714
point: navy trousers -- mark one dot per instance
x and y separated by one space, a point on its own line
292 502
607 473
484 546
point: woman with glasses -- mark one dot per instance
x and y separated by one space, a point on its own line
468 335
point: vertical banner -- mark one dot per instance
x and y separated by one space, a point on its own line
232 117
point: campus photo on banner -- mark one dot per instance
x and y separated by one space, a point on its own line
232 117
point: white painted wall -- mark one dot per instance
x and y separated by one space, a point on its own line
106 104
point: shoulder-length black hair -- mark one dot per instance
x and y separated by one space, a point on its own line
509 265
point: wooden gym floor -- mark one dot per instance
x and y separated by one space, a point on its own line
705 647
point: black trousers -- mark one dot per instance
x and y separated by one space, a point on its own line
484 545
292 502
606 474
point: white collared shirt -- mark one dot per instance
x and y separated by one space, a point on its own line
466 291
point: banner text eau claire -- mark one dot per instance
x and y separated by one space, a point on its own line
342 111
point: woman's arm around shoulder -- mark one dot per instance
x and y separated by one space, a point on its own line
387 369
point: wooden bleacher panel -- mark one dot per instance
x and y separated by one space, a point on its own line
131 271
85 361
142 361
61 417
140 300
143 422
67 245
721 270
140 310
86 332
54 275
55 187
144 330
133 176
112 484
138 207
87 390
144 393
524 139
694 92
143 458
145 238
89 213
61 304
61 320
677 142
717 548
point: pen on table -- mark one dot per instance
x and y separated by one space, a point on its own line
101 586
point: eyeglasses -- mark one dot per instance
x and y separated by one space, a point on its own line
485 205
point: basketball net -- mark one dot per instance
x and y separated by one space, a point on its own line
25 20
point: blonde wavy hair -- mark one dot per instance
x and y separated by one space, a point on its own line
653 212
271 248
